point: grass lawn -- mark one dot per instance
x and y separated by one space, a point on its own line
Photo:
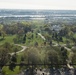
35 39
65 40
8 38
7 71
74 36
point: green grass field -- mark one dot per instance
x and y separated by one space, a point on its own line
29 42
37 39
74 36
8 38
6 70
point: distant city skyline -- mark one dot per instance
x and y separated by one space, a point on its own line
38 4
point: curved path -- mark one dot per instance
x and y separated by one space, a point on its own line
55 44
23 49
69 57
64 45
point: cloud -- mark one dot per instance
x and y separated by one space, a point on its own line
38 4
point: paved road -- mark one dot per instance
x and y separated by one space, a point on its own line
41 36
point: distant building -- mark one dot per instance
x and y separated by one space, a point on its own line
56 27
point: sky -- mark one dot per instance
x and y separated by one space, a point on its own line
38 4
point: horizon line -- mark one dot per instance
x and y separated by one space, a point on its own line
32 9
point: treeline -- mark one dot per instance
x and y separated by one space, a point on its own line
17 28
36 55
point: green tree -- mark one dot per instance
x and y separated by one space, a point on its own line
3 56
53 58
64 55
32 55
13 62
24 38
3 34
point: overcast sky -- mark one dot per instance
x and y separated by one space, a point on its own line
38 4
